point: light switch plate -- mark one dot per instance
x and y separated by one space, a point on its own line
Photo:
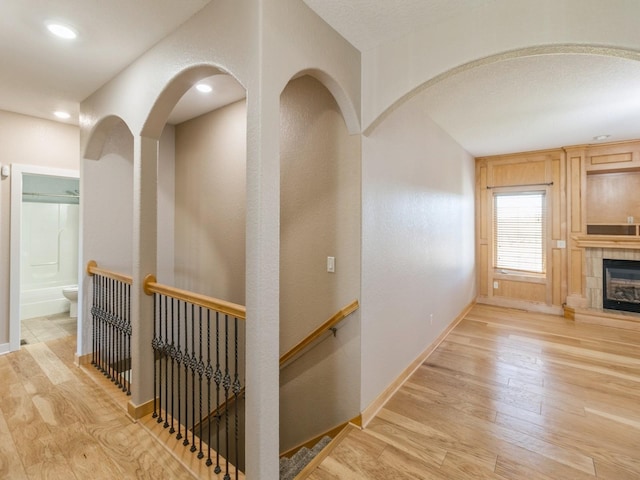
331 264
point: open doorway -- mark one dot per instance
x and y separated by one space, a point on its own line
44 254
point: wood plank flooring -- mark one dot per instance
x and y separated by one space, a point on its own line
57 423
508 395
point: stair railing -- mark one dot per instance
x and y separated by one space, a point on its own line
198 344
327 326
111 321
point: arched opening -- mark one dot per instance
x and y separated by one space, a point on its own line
106 199
319 218
200 121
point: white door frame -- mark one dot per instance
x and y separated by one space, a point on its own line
17 170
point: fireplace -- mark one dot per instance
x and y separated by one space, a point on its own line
621 285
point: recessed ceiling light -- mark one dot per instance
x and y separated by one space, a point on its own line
62 115
601 137
62 31
204 88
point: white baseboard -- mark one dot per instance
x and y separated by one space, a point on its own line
4 348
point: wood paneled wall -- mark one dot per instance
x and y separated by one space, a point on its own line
588 184
539 171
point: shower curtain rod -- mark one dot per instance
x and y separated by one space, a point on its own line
62 195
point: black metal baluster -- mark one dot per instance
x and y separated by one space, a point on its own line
128 338
161 406
187 361
236 391
178 361
100 325
193 364
226 383
200 372
94 303
218 380
166 363
111 332
209 374
103 340
173 356
118 365
154 344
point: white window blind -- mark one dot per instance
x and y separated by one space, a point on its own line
519 231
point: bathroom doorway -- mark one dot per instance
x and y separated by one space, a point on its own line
44 253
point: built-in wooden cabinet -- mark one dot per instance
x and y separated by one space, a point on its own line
604 209
593 202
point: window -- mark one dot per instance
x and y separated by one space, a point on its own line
519 231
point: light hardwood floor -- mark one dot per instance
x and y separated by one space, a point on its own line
57 423
508 395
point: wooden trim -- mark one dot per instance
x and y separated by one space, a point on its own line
82 360
326 451
151 286
609 318
374 407
93 269
517 304
139 411
334 320
175 447
333 432
607 241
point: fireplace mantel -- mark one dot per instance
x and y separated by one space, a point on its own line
607 241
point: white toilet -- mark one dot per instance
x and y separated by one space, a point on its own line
71 294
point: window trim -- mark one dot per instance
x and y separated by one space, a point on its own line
514 274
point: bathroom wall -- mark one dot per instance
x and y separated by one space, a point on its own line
28 141
49 251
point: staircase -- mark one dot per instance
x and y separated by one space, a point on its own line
290 467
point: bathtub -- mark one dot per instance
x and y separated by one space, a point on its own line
40 302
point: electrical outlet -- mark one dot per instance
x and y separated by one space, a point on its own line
496 285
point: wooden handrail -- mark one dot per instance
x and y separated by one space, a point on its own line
309 339
151 286
93 269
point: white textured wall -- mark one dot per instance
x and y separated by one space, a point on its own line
319 217
398 67
28 141
417 241
166 206
210 203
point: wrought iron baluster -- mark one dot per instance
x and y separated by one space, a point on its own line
111 330
166 363
178 362
218 380
236 392
154 344
200 372
128 338
209 374
94 334
118 365
193 363
173 356
187 361
226 383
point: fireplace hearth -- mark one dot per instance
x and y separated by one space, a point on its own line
621 285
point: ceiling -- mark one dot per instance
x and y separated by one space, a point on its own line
514 105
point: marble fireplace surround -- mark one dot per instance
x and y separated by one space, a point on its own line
593 257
